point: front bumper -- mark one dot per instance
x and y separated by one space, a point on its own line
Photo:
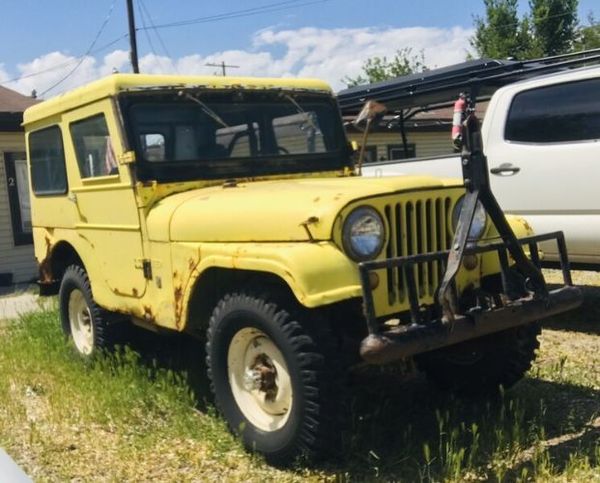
425 334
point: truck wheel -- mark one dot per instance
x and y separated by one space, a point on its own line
83 321
271 378
480 366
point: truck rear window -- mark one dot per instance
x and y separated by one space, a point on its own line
558 113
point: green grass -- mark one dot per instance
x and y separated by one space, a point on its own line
134 417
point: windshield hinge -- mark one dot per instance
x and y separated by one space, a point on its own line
127 157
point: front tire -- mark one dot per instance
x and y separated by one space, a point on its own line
271 377
479 367
88 325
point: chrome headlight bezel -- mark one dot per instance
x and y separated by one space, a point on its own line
480 219
364 214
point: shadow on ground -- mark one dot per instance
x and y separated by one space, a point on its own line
395 417
584 319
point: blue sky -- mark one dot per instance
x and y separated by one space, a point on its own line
327 38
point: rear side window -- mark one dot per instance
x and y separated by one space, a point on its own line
93 148
47 158
558 113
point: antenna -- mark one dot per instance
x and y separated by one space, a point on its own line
223 66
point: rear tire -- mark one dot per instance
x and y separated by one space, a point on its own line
90 327
272 378
480 366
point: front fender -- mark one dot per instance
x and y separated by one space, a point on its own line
317 273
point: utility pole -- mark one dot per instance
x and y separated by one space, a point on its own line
223 66
132 38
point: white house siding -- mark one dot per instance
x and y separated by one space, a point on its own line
18 260
426 143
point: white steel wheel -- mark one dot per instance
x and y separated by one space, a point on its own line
80 322
259 379
91 328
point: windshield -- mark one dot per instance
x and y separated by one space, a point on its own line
182 135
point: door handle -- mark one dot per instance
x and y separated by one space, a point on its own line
505 169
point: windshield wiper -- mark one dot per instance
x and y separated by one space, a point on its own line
207 110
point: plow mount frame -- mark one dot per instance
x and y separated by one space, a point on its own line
522 301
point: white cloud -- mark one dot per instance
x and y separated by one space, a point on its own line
3 74
330 54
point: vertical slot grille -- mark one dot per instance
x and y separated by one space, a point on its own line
417 227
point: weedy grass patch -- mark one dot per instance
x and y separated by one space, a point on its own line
133 416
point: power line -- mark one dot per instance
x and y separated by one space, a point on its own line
273 7
68 62
100 30
146 32
278 6
508 24
154 28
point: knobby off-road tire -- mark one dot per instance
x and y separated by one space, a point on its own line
273 378
91 328
479 367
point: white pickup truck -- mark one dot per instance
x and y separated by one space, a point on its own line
542 140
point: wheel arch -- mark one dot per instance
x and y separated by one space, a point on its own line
212 284
52 267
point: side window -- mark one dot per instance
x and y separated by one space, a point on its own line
93 148
47 159
557 113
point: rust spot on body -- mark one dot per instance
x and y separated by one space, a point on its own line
178 293
148 313
45 266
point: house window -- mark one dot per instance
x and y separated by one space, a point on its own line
95 155
47 155
370 154
396 151
18 197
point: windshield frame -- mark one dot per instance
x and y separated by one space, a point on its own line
234 167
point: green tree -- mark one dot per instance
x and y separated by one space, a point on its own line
376 69
589 35
501 34
554 26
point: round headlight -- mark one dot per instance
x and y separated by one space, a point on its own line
363 234
479 219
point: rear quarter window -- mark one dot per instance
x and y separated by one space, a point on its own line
47 160
558 113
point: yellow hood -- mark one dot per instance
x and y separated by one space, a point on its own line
270 211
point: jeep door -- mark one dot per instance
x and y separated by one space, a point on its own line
102 192
543 148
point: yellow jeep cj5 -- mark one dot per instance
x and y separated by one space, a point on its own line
230 209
